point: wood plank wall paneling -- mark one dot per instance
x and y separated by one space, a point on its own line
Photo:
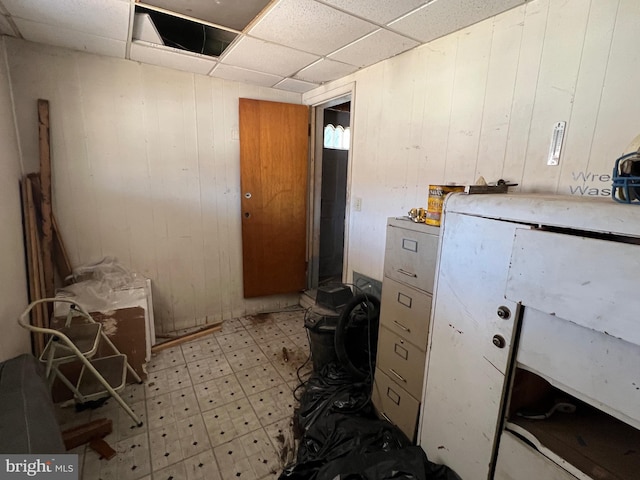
145 169
146 163
492 93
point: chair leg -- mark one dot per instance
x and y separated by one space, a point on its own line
112 392
57 373
130 369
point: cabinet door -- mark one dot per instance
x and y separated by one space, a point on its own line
465 375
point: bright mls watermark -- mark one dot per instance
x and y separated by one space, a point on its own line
51 467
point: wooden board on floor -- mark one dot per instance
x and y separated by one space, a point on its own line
95 429
187 337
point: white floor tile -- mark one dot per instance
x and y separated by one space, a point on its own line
266 334
273 404
227 392
296 359
259 379
246 358
248 457
230 326
217 392
170 357
165 446
206 368
230 421
193 435
202 347
132 461
202 467
260 319
167 380
282 438
301 340
235 341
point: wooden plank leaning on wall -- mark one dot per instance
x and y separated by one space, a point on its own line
43 241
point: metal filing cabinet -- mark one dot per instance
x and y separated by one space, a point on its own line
409 268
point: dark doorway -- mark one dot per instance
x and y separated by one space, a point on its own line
333 196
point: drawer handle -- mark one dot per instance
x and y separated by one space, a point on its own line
405 300
409 244
401 351
395 398
400 377
401 326
385 417
408 274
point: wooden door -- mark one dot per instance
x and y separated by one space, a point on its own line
274 152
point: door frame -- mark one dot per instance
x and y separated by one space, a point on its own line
318 104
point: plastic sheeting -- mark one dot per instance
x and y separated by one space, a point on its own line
102 287
340 438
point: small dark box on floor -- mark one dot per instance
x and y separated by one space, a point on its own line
333 296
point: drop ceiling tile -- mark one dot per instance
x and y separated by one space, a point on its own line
325 71
373 48
144 29
74 40
5 26
171 58
310 26
266 57
298 86
440 17
243 75
101 18
379 11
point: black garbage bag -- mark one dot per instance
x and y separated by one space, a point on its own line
333 391
408 463
341 438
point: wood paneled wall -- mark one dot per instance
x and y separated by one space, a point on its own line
146 169
483 101
146 161
14 340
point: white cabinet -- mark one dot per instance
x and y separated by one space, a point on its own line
409 268
466 370
535 303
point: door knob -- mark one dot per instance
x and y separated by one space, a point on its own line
499 341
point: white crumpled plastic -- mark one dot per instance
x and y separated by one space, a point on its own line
102 287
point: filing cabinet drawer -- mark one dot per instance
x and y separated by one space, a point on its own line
401 361
405 311
410 257
395 404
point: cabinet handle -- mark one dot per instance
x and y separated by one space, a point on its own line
400 377
503 312
408 274
385 417
401 326
499 341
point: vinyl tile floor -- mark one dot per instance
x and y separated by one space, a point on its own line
216 408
